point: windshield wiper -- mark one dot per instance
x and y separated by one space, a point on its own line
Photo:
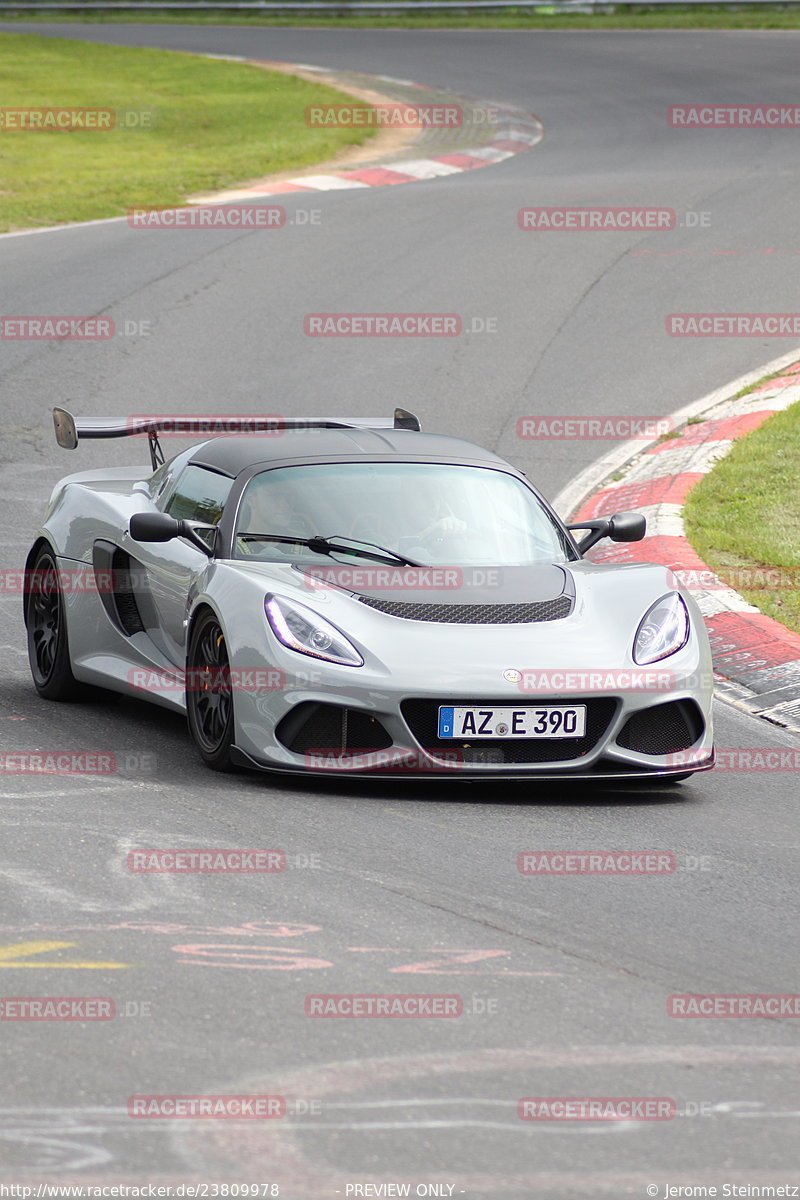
323 545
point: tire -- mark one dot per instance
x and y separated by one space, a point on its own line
48 648
209 698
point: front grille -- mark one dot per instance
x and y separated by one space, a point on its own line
475 614
313 726
422 718
662 729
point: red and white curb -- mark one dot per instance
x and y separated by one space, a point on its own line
495 132
756 659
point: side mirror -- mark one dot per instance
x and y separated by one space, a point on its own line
622 527
627 527
161 527
154 527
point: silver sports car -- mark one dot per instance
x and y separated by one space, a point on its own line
356 596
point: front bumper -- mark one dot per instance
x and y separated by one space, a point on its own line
677 727
409 663
397 767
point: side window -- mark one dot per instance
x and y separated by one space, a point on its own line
159 479
200 495
162 479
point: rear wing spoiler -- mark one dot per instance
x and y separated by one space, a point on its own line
70 431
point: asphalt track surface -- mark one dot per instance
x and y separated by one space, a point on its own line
408 887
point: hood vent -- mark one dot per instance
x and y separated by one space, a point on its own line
475 614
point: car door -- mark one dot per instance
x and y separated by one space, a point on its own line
168 569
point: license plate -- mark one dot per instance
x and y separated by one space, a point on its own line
552 721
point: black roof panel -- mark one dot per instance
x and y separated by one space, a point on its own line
231 455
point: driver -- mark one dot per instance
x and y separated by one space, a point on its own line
438 527
444 525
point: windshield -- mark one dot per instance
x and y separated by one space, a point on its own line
427 512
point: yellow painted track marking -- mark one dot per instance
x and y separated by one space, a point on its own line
10 954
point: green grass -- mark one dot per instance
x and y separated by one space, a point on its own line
707 17
745 516
215 124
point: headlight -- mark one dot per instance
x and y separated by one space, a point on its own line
301 629
664 629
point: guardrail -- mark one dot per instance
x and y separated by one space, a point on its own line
343 7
